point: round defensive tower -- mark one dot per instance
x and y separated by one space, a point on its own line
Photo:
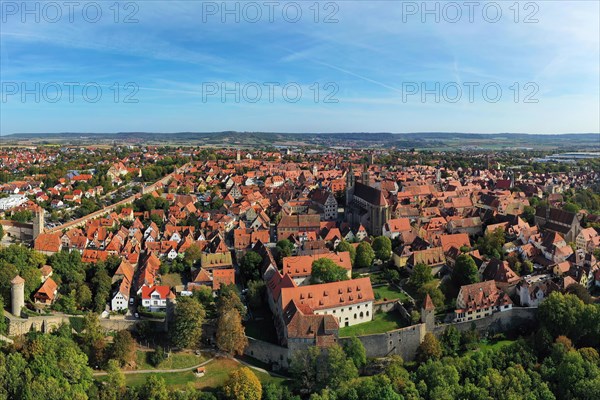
17 291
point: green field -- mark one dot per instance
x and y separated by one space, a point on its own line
494 345
176 361
217 372
381 323
389 292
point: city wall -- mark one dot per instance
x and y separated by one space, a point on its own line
405 341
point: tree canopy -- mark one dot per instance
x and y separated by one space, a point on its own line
364 255
325 270
382 246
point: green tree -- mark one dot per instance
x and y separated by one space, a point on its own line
326 270
465 271
242 385
101 284
491 244
364 255
256 293
187 329
355 351
157 356
529 215
92 340
345 246
283 249
450 341
382 246
250 265
2 319
421 274
115 382
429 349
231 337
154 388
580 291
123 348
192 254
432 289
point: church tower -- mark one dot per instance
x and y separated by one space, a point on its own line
350 181
38 223
365 176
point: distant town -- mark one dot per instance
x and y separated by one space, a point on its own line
296 272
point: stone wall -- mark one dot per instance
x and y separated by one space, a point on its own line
19 230
515 318
405 341
21 326
384 306
118 324
402 342
272 354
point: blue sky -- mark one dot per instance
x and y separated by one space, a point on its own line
373 58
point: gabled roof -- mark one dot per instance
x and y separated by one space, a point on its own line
329 295
297 266
162 290
457 240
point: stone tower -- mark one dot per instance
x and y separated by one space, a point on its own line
38 223
17 291
350 181
365 176
238 156
428 313
315 171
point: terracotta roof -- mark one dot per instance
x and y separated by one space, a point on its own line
482 295
330 295
49 242
457 240
48 289
162 290
428 303
17 280
302 265
223 277
398 225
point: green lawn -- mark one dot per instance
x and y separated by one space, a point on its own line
381 323
176 361
484 346
389 292
217 372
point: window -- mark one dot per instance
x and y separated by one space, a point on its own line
354 315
